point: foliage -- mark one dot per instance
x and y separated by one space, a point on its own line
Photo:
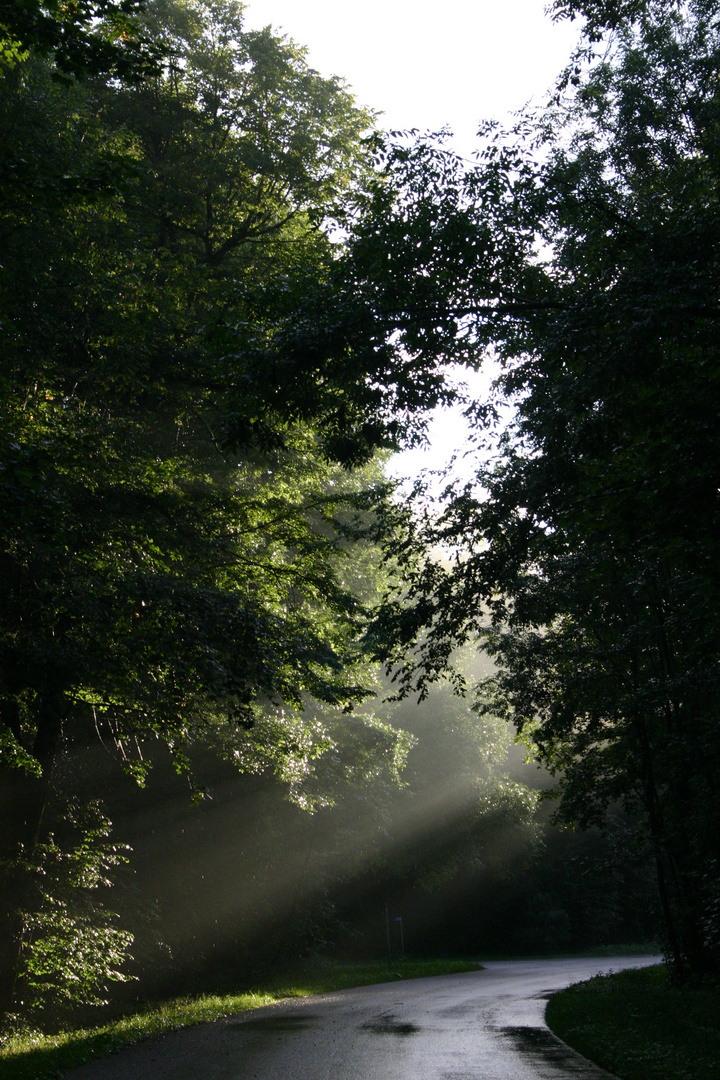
637 1025
156 570
222 294
71 948
585 550
603 16
172 523
176 529
96 36
205 334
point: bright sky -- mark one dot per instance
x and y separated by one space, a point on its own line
426 65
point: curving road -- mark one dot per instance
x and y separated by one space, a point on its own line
484 1025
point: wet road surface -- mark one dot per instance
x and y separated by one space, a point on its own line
484 1025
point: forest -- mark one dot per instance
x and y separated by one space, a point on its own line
256 702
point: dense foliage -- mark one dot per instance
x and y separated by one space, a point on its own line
87 38
176 518
222 295
586 544
71 946
215 311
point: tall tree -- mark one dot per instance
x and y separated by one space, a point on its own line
173 534
205 329
586 550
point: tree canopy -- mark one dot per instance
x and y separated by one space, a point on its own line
216 311
223 293
186 378
585 548
83 39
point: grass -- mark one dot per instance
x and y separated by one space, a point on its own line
642 948
638 1026
42 1057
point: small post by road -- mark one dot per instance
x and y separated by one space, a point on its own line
402 940
387 930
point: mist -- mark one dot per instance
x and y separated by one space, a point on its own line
221 892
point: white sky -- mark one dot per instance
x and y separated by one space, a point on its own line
426 65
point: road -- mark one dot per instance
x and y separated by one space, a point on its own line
484 1025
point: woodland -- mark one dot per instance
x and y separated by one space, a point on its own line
256 703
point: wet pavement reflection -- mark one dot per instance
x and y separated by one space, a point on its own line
484 1025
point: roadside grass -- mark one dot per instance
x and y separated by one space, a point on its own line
639 1027
47 1057
641 948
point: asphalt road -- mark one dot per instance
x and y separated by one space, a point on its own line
484 1025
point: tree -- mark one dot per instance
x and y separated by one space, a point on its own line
586 550
71 948
206 332
172 536
602 16
89 38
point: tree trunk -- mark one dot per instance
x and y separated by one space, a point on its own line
657 832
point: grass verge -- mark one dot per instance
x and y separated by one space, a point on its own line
42 1057
638 1026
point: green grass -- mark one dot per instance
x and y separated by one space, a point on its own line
641 948
636 1025
41 1057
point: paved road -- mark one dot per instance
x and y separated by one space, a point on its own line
484 1025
